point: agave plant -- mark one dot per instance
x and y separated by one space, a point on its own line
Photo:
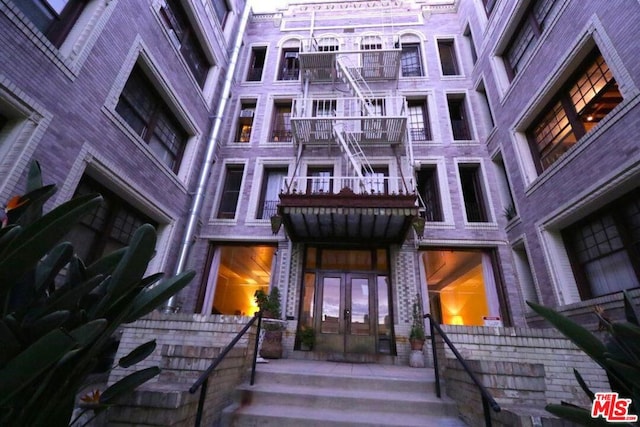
618 355
57 315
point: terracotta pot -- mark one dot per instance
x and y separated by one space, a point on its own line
271 345
416 344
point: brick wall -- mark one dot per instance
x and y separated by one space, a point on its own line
523 368
186 346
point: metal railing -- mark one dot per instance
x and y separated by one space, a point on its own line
487 399
203 380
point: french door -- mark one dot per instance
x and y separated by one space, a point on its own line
346 313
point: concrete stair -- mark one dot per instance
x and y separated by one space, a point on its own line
307 393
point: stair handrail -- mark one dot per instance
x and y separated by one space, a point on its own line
203 380
487 398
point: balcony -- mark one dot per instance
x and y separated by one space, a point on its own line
347 209
348 115
377 61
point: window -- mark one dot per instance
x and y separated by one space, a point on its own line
489 5
509 207
590 95
109 227
258 55
323 129
464 285
289 64
430 193
320 179
55 18
234 273
270 195
472 46
448 60
410 63
459 117
221 9
471 183
529 30
485 105
281 127
419 120
604 248
142 107
230 191
372 125
372 61
525 275
376 180
328 44
187 41
245 121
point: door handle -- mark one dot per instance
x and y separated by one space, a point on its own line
347 313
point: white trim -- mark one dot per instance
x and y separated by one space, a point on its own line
262 163
222 172
491 220
27 122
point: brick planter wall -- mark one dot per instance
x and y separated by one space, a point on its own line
186 346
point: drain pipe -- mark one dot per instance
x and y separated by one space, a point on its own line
196 204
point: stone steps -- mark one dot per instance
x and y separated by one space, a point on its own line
322 395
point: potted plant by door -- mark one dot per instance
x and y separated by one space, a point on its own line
417 335
270 306
307 336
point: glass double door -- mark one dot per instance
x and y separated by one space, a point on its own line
346 313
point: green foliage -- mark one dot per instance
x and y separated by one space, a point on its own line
269 303
307 336
618 355
417 323
57 316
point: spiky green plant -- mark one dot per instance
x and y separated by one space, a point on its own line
57 315
618 355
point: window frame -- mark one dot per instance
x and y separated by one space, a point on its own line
429 174
229 189
624 229
267 207
245 122
217 12
188 44
59 24
460 127
411 48
112 205
425 132
561 103
150 124
449 64
252 74
473 193
281 132
289 70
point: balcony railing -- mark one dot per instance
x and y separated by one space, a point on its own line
368 185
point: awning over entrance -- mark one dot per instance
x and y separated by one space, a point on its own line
348 217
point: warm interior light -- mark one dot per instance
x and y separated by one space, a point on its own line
457 320
589 118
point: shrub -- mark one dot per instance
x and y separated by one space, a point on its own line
57 315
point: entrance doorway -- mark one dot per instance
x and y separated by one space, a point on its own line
346 300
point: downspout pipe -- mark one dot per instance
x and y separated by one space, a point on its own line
198 198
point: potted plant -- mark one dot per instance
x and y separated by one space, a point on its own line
270 306
307 336
417 335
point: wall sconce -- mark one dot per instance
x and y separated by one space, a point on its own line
276 223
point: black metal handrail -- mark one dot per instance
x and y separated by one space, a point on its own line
203 380
487 399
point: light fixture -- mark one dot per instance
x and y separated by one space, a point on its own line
457 320
589 118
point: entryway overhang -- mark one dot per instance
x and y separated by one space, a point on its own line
347 217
